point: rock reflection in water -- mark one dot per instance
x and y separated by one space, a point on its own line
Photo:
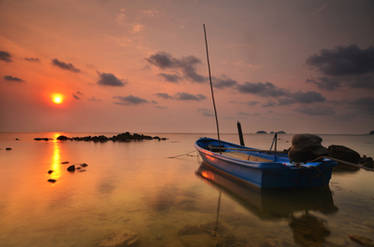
273 205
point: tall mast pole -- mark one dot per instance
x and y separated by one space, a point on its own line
211 84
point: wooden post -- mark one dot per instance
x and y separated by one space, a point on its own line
240 134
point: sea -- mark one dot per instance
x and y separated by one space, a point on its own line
160 193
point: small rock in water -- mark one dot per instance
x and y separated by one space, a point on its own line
71 168
41 139
51 180
65 162
50 171
17 139
120 239
78 168
8 148
84 165
364 241
82 170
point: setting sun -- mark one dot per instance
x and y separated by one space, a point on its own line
57 98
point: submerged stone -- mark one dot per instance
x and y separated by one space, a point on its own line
8 148
50 171
83 165
51 180
71 168
124 238
65 162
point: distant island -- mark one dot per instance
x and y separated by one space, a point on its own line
271 132
279 132
261 132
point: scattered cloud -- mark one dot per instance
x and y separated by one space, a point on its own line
12 78
170 77
364 104
188 96
342 61
269 104
77 95
343 66
263 89
181 96
302 97
252 103
129 100
325 83
205 112
65 66
5 56
32 59
315 111
164 95
224 82
108 79
186 65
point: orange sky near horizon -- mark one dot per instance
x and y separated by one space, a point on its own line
141 66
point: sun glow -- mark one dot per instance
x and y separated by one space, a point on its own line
57 98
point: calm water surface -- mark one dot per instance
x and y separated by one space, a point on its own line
134 190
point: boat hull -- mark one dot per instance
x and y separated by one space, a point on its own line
274 174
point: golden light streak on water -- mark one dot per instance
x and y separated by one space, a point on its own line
56 159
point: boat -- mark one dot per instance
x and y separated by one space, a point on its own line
265 170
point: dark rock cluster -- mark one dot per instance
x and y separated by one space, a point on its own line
123 137
308 147
371 132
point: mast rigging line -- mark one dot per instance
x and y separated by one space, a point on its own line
210 80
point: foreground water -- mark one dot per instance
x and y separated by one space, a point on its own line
133 193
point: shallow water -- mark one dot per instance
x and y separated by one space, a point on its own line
134 189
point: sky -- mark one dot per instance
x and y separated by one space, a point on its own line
121 65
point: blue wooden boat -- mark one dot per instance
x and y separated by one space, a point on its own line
263 169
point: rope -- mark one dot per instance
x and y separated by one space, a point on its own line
184 154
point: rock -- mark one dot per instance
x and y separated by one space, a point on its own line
83 165
371 132
51 180
306 147
364 241
367 162
281 132
17 139
120 239
65 162
82 170
344 153
157 138
50 171
41 139
78 168
8 148
261 132
164 139
63 138
71 168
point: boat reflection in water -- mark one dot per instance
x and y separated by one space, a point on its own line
272 205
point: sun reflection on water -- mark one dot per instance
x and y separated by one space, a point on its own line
56 159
